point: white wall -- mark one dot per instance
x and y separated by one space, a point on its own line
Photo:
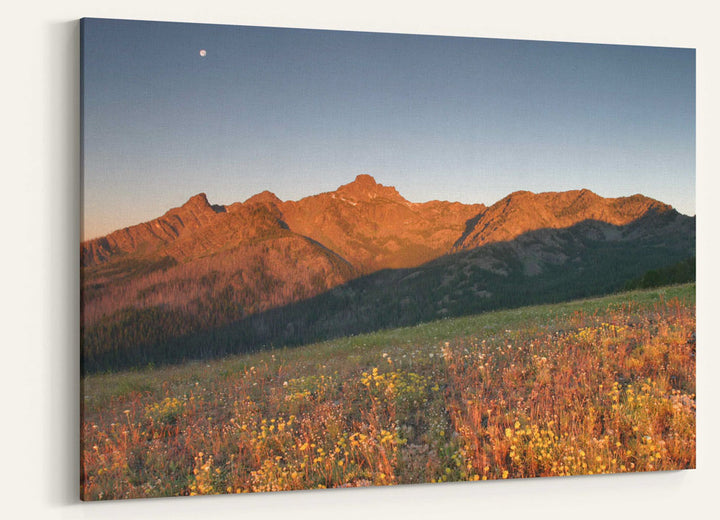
39 204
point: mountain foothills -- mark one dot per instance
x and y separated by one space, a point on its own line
207 280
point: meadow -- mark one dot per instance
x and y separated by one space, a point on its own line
604 385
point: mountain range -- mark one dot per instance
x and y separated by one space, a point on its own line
205 280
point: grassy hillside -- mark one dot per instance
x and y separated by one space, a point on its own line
592 386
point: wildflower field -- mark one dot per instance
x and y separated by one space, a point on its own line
595 386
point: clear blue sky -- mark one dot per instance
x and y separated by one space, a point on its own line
298 112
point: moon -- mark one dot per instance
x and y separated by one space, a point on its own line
203 53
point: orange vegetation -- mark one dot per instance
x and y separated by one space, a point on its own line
591 391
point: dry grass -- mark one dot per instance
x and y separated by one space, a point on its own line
591 387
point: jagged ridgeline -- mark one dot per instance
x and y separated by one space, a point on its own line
206 280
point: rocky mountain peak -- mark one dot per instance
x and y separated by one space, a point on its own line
365 187
365 180
197 201
265 197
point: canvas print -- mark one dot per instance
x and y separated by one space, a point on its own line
321 259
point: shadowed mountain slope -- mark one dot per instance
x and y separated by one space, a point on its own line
263 252
541 266
524 211
264 271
